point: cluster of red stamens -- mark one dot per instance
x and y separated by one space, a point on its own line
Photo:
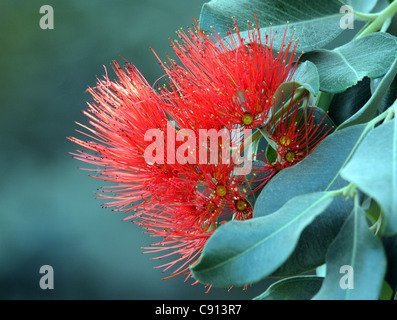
220 84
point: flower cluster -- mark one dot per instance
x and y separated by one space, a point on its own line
175 156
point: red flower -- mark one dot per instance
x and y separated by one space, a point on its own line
293 133
184 230
226 82
185 227
179 202
120 116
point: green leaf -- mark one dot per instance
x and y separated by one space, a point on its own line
271 154
314 22
343 67
316 173
373 169
242 252
390 96
383 92
306 76
294 288
386 292
356 263
361 6
346 104
390 245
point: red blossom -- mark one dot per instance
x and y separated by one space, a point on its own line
295 132
185 227
227 82
120 115
179 202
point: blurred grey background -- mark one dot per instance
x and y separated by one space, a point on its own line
48 211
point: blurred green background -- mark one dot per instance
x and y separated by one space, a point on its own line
48 211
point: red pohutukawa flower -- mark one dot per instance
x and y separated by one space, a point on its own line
185 227
181 178
120 116
227 82
295 131
137 147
